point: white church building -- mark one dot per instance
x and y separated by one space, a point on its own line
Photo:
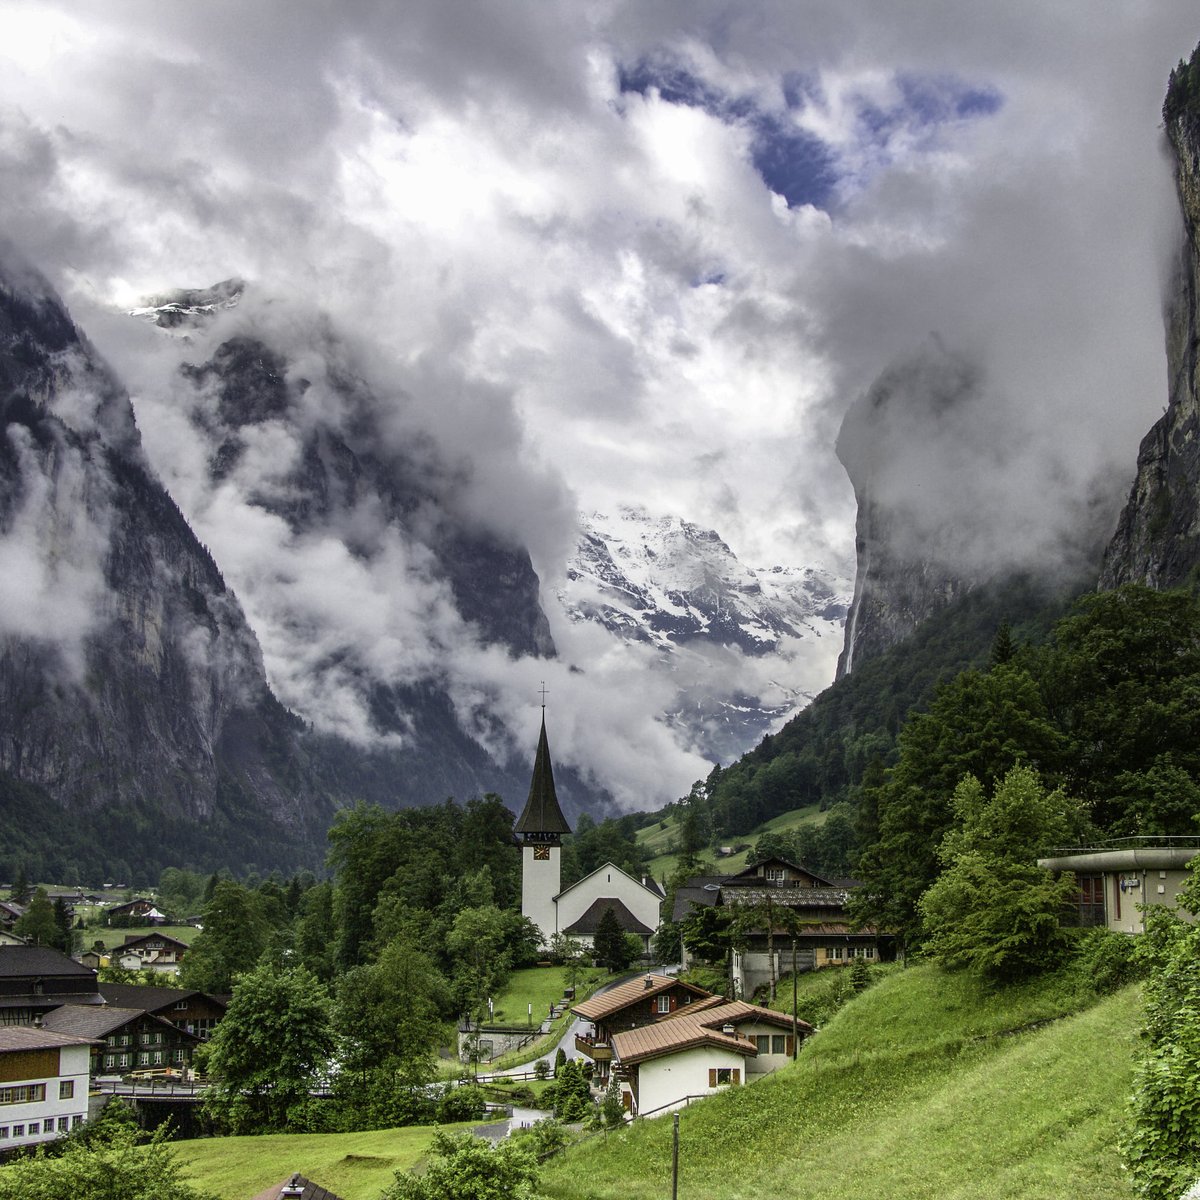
576 910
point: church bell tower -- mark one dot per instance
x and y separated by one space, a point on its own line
540 828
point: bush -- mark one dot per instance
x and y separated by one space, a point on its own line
560 1061
1109 960
462 1103
542 1067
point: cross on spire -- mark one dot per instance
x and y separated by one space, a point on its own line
543 690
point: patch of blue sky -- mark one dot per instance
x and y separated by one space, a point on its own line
793 161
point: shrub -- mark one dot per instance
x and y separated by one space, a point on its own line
463 1103
542 1068
1109 960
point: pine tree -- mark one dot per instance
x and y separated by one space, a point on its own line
37 923
609 945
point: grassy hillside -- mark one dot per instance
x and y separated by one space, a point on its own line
924 1086
660 839
355 1166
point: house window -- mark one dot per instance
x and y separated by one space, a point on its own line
158 1057
179 1055
18 1131
66 1089
77 1119
762 1043
835 952
778 1043
776 874
35 1127
179 1004
144 1058
664 1003
3 1131
864 951
720 1076
26 1093
64 1123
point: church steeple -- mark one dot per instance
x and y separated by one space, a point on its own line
542 820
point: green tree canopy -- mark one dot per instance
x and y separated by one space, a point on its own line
269 1051
37 924
994 911
234 936
463 1167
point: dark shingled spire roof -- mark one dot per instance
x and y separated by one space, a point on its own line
541 813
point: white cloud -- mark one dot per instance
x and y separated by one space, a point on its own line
588 299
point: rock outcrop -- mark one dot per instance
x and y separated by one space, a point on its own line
1157 541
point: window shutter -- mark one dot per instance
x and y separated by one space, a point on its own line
736 1075
791 1045
712 1076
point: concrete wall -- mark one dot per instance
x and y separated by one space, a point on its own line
668 1081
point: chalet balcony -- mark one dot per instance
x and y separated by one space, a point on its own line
596 1051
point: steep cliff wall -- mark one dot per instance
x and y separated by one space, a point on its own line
136 725
1158 536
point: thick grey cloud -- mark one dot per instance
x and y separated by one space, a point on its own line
587 297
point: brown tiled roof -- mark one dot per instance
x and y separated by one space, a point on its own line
589 921
785 897
28 1037
680 1033
698 1026
630 992
85 1020
150 997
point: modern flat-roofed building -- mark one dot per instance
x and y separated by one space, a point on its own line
1119 878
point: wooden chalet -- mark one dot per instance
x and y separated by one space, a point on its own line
710 1045
125 1040
644 1000
153 951
141 909
792 907
194 1012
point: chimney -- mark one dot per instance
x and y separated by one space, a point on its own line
648 982
293 1189
728 1029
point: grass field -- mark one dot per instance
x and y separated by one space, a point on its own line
116 937
922 1087
355 1166
660 843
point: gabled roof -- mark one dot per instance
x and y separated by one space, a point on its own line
19 961
786 897
589 921
134 939
152 999
631 992
28 1037
608 866
296 1186
702 891
698 1026
541 813
86 1021
750 875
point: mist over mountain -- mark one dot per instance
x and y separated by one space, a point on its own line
743 647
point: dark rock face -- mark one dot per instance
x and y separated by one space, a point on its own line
905 549
133 701
1157 541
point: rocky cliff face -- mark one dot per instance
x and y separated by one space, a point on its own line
912 553
1158 536
136 725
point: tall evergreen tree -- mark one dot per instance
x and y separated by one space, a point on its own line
609 945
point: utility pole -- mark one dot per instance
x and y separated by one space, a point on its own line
795 1026
675 1157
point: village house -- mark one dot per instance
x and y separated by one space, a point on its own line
194 1012
791 914
10 913
139 911
642 1001
698 1050
43 1084
1124 876
36 979
152 952
125 1040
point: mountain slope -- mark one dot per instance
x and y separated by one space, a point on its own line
136 725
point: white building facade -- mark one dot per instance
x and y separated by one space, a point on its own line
43 1084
